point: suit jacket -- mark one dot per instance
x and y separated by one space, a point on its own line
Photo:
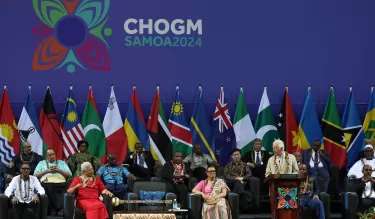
137 170
258 171
325 159
168 170
289 165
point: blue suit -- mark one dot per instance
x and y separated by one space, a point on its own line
306 199
318 171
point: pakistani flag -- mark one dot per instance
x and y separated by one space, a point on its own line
243 128
28 126
93 129
265 124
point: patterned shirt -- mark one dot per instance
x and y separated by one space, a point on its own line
42 166
75 161
309 184
198 160
233 170
106 172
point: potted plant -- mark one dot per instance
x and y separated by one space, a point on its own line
369 214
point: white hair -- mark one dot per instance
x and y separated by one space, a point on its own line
279 143
85 165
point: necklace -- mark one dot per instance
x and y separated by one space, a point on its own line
364 191
304 186
28 189
277 167
47 163
28 162
110 173
212 185
87 180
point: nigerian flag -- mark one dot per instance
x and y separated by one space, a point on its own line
265 124
243 128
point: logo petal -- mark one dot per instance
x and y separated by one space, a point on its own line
93 54
282 203
93 11
282 192
48 54
49 12
293 204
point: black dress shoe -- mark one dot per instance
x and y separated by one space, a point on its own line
61 213
53 213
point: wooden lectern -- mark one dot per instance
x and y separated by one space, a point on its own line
284 195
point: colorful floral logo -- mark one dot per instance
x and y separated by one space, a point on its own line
288 198
71 35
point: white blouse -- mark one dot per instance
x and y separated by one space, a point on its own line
35 187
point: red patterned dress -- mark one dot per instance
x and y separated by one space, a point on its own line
88 198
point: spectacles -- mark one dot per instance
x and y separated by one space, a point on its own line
24 168
368 170
212 171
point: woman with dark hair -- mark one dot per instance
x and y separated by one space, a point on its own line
87 188
213 191
75 160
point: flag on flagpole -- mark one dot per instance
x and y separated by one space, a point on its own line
265 126
369 122
309 128
158 129
28 126
93 129
243 128
71 128
334 140
50 126
135 126
287 125
200 126
114 131
179 127
352 130
9 136
223 136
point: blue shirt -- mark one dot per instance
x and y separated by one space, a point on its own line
108 178
42 166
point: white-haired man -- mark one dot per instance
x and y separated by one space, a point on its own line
281 162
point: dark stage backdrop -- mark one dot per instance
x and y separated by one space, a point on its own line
222 42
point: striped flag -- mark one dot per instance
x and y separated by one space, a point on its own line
71 128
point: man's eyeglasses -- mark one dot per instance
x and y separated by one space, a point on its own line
212 171
368 170
24 168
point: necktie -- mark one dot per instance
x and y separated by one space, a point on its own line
316 159
257 159
141 160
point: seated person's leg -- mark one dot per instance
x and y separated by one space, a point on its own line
182 191
326 177
18 210
235 186
110 187
365 203
318 206
121 188
192 182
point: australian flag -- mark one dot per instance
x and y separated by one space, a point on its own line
223 141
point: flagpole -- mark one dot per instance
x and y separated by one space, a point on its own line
200 90
157 87
308 87
29 86
350 87
372 87
71 86
241 88
5 85
286 87
90 86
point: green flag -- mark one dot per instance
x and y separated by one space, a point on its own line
93 129
265 124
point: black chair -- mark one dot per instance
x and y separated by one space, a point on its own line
71 212
149 186
349 201
6 207
195 205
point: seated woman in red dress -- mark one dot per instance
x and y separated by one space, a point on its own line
88 189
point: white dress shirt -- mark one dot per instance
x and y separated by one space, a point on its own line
312 162
35 187
139 161
368 189
260 156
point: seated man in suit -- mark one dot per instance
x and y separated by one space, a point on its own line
236 172
141 164
113 176
356 170
27 156
309 194
364 188
257 160
282 162
53 174
317 162
175 174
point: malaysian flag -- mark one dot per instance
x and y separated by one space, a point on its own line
223 136
71 128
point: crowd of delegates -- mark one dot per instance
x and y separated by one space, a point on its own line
84 175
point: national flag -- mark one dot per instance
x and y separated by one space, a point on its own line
309 128
179 127
93 129
200 126
369 122
265 126
352 128
71 128
9 136
243 127
50 126
135 126
114 131
28 126
223 136
287 125
334 140
157 127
